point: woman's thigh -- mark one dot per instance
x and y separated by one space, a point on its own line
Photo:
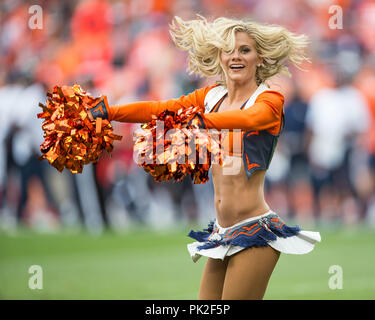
212 281
248 273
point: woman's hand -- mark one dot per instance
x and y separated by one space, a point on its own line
197 121
100 110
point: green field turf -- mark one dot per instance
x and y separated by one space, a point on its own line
156 265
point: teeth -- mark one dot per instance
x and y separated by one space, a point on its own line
236 66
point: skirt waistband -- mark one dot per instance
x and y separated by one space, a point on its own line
223 230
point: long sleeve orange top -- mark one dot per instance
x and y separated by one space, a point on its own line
264 114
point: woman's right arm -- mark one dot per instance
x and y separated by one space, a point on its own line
141 112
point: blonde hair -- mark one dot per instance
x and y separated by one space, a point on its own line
204 41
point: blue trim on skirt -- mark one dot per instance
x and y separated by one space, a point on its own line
256 233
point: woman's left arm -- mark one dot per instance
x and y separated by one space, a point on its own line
264 114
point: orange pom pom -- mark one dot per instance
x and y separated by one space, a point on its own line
71 140
176 148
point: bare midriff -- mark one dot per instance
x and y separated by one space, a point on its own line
236 196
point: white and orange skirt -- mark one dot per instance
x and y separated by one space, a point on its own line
264 230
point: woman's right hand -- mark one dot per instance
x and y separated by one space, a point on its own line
100 110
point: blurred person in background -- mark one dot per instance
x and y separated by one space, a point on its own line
29 202
336 118
121 182
364 178
298 192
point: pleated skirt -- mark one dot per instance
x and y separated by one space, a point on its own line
260 231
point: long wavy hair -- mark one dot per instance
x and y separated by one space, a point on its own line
204 41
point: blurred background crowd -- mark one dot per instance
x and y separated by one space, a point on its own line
323 169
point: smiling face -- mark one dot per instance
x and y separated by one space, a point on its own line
240 65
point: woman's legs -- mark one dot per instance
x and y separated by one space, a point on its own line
213 279
248 272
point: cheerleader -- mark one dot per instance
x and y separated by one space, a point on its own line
244 242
